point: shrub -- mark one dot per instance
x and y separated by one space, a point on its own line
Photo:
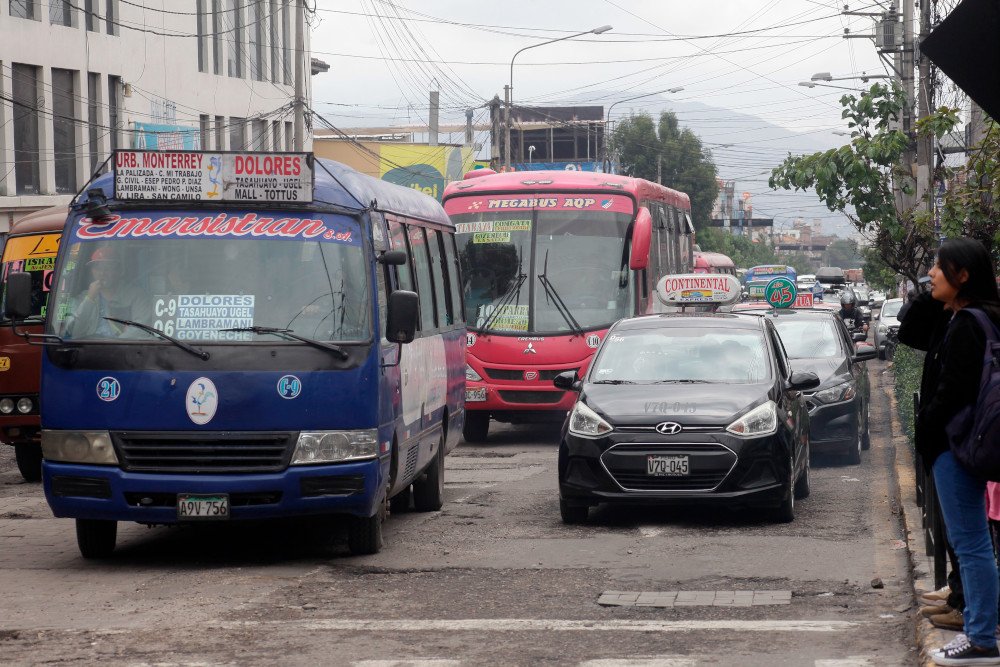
907 366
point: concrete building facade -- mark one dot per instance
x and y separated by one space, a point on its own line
80 78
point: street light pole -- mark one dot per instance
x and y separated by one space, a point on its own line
607 122
510 87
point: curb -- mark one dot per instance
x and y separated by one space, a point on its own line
928 637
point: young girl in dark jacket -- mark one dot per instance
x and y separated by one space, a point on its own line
962 277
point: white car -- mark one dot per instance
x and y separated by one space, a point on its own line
887 320
877 298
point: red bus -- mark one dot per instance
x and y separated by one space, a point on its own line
550 261
31 247
713 262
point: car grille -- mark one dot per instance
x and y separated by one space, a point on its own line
518 375
204 453
709 463
539 397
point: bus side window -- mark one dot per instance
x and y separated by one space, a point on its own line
444 309
404 275
454 276
422 268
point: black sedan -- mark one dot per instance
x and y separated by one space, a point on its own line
818 342
682 408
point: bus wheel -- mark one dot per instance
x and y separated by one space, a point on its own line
428 491
364 534
96 537
400 502
29 460
477 425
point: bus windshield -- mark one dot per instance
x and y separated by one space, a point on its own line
757 278
196 288
545 269
35 255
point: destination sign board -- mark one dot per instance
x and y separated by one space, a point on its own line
213 176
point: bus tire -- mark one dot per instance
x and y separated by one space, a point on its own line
96 537
364 534
29 460
400 502
428 490
477 426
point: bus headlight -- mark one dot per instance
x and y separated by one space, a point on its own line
79 447
24 405
335 446
6 406
471 375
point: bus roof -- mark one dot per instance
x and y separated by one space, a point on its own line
46 220
341 186
550 181
714 258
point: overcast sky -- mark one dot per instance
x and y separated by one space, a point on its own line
744 56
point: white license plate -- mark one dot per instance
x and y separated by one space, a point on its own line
202 507
475 395
667 466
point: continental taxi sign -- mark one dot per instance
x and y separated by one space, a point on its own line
698 288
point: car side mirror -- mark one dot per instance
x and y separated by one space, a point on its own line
865 352
875 315
859 336
642 238
17 300
802 381
568 380
401 316
393 258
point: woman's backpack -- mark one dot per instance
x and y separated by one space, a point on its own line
974 433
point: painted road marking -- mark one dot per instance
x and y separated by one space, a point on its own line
853 661
662 661
536 624
418 662
669 599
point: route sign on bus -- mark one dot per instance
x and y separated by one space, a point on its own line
209 176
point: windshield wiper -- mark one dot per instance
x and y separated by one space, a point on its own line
561 306
288 333
513 293
686 381
612 382
202 354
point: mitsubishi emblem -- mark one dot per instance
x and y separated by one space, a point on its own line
669 428
530 349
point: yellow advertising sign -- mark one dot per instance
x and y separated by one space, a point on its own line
31 247
424 168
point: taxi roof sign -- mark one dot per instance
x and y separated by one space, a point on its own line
213 176
698 289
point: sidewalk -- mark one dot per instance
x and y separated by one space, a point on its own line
928 637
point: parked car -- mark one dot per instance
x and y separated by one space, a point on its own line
888 322
818 342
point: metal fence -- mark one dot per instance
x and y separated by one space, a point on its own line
935 544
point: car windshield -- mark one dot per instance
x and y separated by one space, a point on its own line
891 308
808 337
682 354
558 265
36 256
194 288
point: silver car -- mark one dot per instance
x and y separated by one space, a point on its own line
887 320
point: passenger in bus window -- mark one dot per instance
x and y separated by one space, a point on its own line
110 294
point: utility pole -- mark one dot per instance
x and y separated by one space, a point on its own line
506 142
300 76
909 157
432 124
925 145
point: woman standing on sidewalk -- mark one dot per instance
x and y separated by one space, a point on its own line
963 276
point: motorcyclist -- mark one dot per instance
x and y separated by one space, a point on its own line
850 313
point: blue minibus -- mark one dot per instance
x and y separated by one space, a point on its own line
240 336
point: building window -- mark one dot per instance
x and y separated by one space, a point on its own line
114 105
256 23
237 134
111 16
275 42
200 20
216 36
91 19
60 12
220 133
260 135
286 40
205 131
64 130
234 59
276 134
24 89
93 118
24 9
289 137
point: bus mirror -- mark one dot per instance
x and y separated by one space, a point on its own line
642 236
393 258
401 317
17 305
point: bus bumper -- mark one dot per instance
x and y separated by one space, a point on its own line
105 492
509 399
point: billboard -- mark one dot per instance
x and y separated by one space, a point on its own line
424 168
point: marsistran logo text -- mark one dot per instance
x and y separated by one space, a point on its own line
220 225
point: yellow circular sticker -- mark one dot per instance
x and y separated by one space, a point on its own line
4 364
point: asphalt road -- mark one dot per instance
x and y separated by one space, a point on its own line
493 578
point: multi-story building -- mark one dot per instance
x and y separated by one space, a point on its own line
80 78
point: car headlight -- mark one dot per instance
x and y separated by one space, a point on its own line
882 329
24 405
838 393
335 446
6 406
762 420
471 375
79 447
586 423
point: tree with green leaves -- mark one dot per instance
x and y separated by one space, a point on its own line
867 175
644 147
843 253
972 203
740 249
